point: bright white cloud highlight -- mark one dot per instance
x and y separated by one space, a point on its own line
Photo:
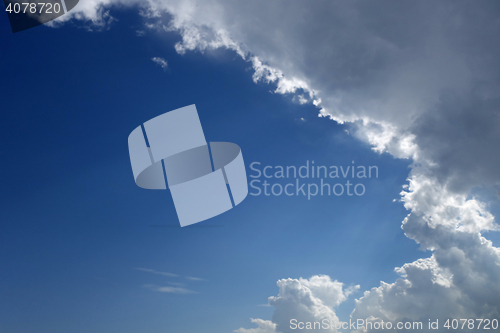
308 300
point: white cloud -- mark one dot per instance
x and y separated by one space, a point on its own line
160 62
169 289
264 326
175 287
157 272
190 278
460 279
331 293
297 301
418 80
306 300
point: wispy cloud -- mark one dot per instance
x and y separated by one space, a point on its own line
160 62
168 289
153 271
190 278
157 272
174 287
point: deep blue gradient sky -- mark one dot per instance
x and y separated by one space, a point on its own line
74 226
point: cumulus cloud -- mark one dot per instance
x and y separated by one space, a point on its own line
331 293
416 79
308 301
264 326
460 279
305 300
160 62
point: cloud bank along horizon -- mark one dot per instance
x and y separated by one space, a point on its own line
417 80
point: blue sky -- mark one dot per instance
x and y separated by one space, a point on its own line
75 224
80 243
